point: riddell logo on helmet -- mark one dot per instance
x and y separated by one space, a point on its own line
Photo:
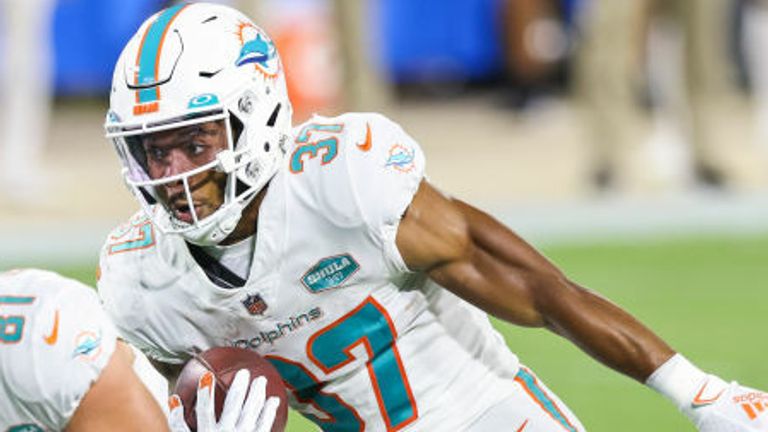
146 108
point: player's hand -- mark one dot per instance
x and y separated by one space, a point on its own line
722 407
255 413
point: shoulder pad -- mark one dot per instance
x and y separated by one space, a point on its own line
357 168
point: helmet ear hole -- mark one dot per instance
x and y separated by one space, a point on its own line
240 187
273 118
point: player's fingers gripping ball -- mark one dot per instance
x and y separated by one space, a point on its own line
176 419
216 393
254 413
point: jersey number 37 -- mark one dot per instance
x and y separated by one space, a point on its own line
330 349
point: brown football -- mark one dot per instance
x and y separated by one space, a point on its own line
224 362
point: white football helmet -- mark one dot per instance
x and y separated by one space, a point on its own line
192 64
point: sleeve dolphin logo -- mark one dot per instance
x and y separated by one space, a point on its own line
401 158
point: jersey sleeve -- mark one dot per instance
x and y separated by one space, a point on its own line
385 170
70 342
385 166
367 176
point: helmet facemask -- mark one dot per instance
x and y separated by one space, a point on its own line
162 170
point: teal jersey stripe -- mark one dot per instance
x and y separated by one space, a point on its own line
16 300
149 56
530 382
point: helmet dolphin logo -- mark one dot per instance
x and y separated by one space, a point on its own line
258 51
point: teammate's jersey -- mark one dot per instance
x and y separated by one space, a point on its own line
54 342
359 339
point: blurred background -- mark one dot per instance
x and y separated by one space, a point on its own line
627 139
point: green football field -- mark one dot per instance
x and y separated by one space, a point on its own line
706 296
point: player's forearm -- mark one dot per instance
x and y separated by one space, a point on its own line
603 330
505 276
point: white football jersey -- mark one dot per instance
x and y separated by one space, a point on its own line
54 342
360 341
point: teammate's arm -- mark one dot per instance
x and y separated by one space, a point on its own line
118 397
482 261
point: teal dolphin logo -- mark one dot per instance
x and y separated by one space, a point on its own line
258 51
401 158
88 344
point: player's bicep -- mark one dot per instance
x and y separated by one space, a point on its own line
432 231
476 257
118 400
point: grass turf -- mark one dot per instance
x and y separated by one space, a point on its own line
706 296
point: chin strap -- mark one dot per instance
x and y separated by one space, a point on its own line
221 227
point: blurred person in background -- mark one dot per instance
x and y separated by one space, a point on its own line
707 106
365 88
535 40
25 95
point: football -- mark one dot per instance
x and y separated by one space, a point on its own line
224 362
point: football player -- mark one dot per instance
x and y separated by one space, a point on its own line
325 249
62 367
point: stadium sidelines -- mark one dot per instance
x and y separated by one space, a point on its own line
600 220
703 212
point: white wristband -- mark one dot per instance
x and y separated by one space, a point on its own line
678 380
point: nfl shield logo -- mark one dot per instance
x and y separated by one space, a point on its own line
255 304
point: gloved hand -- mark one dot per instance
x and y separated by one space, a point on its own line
722 407
240 414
